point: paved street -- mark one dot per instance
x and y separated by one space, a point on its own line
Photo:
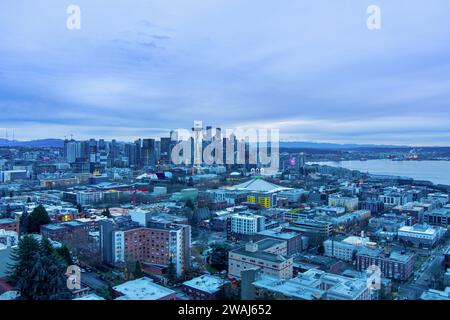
424 276
93 281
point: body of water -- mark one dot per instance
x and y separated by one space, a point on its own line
437 172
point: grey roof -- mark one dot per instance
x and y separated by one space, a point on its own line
277 258
258 185
6 220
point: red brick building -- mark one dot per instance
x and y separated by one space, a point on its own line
9 224
70 233
159 246
394 265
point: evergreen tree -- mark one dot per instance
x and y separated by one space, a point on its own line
321 250
107 292
50 280
38 272
23 225
36 219
171 272
106 213
219 256
8 211
64 253
138 271
190 204
23 257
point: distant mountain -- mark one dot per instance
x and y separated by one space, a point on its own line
332 146
59 143
42 143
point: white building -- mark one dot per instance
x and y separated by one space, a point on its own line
159 191
345 249
12 175
268 255
143 289
246 223
349 203
89 197
443 198
394 197
293 195
138 215
432 294
314 285
422 234
9 238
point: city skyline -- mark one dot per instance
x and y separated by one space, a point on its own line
314 71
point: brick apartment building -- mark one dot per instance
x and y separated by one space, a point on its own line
394 265
9 224
155 246
70 233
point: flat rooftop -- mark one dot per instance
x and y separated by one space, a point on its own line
268 243
290 288
142 289
277 233
394 255
7 220
206 283
276 258
90 296
419 229
432 294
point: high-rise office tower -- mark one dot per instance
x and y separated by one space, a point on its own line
165 150
148 152
71 151
198 144
131 154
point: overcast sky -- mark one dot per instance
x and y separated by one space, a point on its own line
311 68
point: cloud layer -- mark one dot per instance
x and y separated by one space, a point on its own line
310 68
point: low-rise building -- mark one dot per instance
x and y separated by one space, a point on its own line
394 265
9 238
268 255
317 231
349 203
432 294
437 217
9 224
69 233
294 240
422 234
205 287
312 285
13 175
347 248
143 289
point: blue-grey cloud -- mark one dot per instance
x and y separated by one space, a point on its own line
311 68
